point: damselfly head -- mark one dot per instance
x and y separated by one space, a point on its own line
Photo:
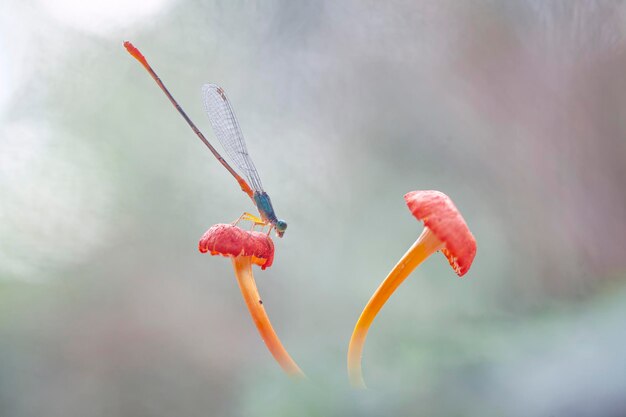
280 226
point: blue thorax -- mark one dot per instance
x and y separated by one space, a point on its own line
264 205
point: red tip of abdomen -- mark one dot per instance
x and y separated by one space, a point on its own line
135 53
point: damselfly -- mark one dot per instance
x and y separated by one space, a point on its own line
228 132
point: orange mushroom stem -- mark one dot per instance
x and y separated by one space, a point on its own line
445 231
247 248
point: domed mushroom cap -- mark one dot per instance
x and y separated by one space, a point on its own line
441 216
232 241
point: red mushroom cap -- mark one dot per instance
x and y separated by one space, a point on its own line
232 241
441 216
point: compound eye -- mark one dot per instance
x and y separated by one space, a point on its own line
281 226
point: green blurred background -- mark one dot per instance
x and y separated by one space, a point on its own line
516 109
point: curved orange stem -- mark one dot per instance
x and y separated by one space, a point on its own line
243 272
426 245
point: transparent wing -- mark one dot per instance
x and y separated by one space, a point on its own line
228 132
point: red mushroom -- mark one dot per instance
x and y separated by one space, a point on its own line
445 231
247 248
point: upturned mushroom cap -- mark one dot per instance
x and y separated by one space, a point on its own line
232 241
441 216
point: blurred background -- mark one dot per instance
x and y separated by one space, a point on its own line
516 109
